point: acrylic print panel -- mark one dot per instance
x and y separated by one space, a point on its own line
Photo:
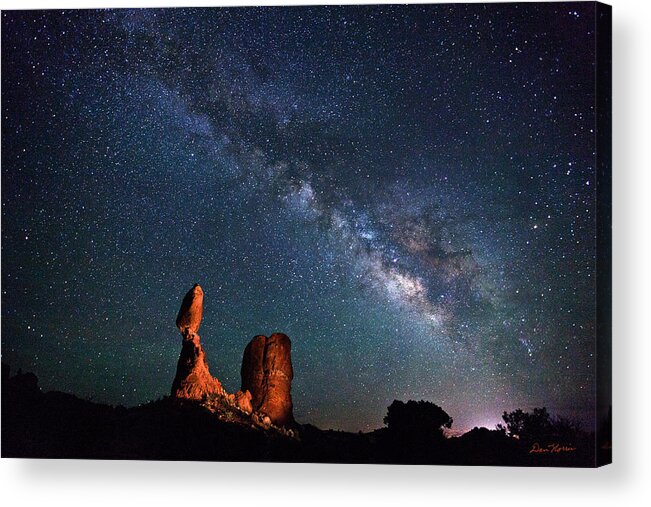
388 221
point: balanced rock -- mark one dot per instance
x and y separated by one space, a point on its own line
189 318
193 380
267 374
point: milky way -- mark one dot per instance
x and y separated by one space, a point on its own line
407 192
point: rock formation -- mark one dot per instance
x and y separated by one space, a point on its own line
193 379
267 374
266 370
243 401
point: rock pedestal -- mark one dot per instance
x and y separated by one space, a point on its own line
267 374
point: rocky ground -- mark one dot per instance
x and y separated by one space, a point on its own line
59 425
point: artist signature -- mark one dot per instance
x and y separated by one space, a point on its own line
553 448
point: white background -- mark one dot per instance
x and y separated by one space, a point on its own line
626 482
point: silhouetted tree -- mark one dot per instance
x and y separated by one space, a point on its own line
416 420
515 422
522 424
538 425
564 428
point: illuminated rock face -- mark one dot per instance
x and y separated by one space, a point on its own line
243 401
193 380
189 318
266 368
267 374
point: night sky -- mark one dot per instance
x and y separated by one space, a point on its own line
407 192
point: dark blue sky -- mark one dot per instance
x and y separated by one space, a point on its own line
407 192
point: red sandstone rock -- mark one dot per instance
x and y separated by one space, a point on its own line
193 379
189 317
243 401
267 373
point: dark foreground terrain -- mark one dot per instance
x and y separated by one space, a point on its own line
59 425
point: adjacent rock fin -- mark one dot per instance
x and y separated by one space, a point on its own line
267 374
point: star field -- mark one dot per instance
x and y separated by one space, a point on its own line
406 191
